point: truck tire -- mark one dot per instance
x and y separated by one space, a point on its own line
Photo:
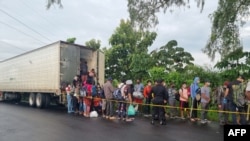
47 101
32 99
40 100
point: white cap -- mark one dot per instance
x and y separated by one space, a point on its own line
120 85
129 82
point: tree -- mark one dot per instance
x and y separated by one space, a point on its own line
229 16
225 36
235 63
51 2
172 57
71 40
128 56
93 43
143 12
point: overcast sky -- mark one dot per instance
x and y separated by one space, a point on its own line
27 25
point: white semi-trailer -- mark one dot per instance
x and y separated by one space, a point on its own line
41 73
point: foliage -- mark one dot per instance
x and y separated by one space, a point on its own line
51 2
93 43
71 40
143 12
229 16
128 56
235 63
156 73
172 57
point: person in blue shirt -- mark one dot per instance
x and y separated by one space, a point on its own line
193 90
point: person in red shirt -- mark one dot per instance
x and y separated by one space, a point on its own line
146 93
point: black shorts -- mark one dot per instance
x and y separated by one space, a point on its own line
183 104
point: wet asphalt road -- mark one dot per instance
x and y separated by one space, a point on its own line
24 123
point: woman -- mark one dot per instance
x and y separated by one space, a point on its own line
128 90
87 99
184 100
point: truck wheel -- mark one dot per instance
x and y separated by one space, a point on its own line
47 100
40 100
32 99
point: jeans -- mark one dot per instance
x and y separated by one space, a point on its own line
109 108
233 108
70 103
173 110
204 108
194 108
224 116
122 110
81 106
147 107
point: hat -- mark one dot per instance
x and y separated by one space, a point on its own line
129 82
110 78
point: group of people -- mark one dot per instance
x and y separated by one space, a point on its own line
152 99
232 98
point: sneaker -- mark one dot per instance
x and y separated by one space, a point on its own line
182 118
203 122
146 115
192 119
129 120
112 118
107 117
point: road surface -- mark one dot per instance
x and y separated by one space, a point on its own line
24 123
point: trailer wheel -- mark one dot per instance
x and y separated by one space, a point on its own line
32 99
40 100
47 100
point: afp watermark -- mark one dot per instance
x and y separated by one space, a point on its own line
241 132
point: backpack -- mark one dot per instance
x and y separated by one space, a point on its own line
239 95
118 94
177 95
94 90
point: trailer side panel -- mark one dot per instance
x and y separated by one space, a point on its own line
35 71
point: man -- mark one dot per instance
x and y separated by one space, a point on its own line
84 70
160 98
108 92
193 90
146 93
232 105
122 104
172 101
69 99
205 99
